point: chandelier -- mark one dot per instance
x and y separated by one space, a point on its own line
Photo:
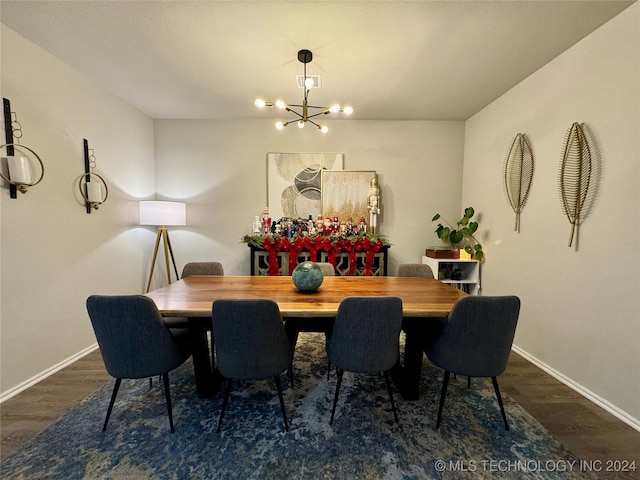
304 57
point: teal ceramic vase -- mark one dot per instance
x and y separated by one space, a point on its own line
307 277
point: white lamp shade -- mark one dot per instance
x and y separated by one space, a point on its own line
162 213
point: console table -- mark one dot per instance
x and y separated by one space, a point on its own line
260 258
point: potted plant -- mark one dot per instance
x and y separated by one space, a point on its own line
462 235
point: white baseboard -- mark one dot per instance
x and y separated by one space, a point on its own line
48 372
588 394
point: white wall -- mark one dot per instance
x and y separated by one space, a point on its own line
580 311
53 254
219 169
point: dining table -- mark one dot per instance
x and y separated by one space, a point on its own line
426 304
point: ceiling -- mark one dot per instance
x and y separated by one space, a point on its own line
390 60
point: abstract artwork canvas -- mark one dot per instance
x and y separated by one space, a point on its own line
345 193
294 182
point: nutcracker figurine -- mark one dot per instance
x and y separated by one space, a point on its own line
319 225
373 204
362 226
266 221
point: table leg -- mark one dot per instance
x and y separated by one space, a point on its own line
407 377
208 381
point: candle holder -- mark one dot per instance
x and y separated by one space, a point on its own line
93 188
19 172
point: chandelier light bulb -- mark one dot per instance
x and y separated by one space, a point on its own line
279 125
347 110
324 129
308 82
281 105
260 103
300 123
335 108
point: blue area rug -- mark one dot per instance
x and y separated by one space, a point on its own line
364 442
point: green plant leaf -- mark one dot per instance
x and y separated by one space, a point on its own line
455 236
473 226
442 232
468 250
435 217
468 212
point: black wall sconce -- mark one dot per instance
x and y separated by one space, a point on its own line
19 172
92 186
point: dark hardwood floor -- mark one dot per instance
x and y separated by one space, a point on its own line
591 433
33 410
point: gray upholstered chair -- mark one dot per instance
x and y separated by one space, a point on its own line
327 269
135 342
250 344
414 270
194 268
365 339
476 341
202 268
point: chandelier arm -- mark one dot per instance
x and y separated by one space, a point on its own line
319 113
296 113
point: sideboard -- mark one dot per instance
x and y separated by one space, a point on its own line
346 263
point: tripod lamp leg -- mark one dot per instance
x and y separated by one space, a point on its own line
155 256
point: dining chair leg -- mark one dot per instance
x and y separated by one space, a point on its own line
284 413
227 391
113 400
494 380
393 405
151 381
167 396
443 394
335 398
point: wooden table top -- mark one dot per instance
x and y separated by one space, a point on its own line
193 295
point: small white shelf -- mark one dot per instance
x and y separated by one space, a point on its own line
469 271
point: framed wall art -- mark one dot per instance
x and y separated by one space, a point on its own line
345 193
294 182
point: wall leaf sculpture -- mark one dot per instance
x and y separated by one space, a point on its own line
518 174
575 175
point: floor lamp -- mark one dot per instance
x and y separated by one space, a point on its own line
163 214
